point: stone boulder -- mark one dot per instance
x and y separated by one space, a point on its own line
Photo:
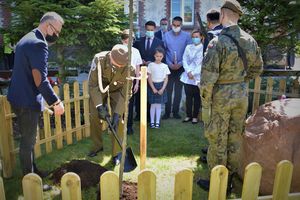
272 134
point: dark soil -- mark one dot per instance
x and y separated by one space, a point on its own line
88 172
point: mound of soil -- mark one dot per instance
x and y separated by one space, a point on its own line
88 172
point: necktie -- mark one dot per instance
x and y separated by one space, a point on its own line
148 44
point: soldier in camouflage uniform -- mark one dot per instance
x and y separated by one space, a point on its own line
224 90
107 79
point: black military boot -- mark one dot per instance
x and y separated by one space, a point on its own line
204 184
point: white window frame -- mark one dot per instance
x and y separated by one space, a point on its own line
182 13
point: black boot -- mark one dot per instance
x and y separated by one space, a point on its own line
203 159
204 184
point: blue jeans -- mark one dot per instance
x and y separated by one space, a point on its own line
27 121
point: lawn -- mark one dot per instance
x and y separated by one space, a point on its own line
174 146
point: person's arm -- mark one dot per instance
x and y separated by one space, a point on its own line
151 84
198 62
255 65
185 56
161 91
94 90
137 81
37 57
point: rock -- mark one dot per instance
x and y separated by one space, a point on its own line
272 134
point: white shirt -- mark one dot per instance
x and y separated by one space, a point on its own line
136 58
192 62
158 71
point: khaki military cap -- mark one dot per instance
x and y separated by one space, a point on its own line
234 6
119 53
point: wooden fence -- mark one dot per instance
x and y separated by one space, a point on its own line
71 187
53 132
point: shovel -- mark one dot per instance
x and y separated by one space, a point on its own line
130 162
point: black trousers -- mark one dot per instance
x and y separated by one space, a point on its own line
174 82
27 121
193 100
137 104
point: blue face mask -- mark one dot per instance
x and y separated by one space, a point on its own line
196 40
149 34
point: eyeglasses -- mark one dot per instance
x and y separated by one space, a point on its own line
55 30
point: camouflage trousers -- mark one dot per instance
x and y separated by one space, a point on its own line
224 132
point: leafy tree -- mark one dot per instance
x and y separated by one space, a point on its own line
272 22
90 26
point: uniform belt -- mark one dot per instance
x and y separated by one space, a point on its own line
223 82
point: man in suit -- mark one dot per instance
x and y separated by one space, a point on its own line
107 80
30 86
164 23
146 45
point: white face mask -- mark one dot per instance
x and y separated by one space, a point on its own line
176 29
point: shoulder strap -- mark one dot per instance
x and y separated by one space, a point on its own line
241 52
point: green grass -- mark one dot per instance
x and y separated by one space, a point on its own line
174 146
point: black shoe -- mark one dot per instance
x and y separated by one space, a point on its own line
130 131
203 159
204 184
41 173
187 119
94 153
176 116
166 116
47 187
204 150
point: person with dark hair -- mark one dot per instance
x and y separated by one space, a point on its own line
175 42
213 25
160 34
158 79
232 59
30 86
192 61
147 45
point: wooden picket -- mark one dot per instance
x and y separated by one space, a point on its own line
58 128
183 189
71 186
218 183
68 113
146 185
256 95
32 187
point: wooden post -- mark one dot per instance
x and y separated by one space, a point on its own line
86 98
282 86
183 189
58 129
109 186
256 94
4 141
68 113
143 117
71 186
47 131
269 90
146 185
295 86
218 183
77 111
251 181
32 187
283 179
2 191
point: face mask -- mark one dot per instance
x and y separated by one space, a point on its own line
51 38
149 34
176 29
164 27
196 40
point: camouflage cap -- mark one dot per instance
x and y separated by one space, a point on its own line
234 6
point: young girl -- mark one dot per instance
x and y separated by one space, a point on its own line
157 78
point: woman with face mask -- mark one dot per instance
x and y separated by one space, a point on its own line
192 60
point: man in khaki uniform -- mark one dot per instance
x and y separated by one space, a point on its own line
231 60
107 84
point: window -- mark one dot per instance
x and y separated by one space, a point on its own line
184 9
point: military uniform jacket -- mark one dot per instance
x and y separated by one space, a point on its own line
113 77
223 72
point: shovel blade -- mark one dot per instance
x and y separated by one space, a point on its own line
130 162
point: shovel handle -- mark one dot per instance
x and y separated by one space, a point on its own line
113 131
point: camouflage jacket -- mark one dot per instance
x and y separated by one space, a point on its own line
223 74
115 78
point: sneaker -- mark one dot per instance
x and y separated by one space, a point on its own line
152 125
187 119
157 125
194 121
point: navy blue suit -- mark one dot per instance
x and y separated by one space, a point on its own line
158 34
25 97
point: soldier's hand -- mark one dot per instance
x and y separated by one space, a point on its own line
206 114
103 112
